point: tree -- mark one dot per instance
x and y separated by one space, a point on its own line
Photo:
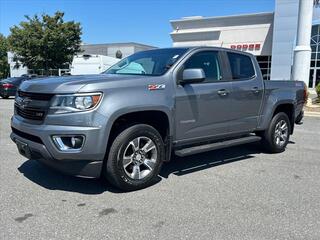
4 66
46 42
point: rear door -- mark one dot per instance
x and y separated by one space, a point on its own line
203 110
247 92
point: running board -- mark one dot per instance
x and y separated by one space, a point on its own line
216 145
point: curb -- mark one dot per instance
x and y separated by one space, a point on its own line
312 114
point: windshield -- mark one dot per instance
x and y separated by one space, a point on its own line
151 63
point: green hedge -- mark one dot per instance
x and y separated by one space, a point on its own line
318 89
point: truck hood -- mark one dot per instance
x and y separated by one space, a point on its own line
70 84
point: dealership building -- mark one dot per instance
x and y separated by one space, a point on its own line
271 37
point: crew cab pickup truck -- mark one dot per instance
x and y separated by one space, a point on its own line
124 123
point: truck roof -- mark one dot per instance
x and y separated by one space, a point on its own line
191 48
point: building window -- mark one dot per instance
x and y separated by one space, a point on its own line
265 66
314 76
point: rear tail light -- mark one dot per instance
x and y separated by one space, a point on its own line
7 85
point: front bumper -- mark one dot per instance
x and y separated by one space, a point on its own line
39 146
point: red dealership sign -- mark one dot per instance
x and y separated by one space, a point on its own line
246 47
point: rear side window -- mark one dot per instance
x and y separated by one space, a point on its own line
208 61
241 66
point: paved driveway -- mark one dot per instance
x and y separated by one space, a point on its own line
236 193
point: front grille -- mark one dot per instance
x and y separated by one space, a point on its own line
30 113
27 135
32 106
36 96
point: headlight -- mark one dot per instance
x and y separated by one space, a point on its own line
74 102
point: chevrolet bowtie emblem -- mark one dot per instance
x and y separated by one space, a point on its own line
23 102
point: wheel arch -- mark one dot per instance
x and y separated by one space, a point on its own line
157 118
288 109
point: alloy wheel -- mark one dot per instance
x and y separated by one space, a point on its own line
139 158
281 133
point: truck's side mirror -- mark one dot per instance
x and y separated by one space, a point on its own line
193 75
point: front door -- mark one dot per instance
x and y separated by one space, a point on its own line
203 109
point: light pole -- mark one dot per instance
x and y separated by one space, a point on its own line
302 51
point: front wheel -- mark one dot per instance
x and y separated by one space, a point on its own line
276 137
135 158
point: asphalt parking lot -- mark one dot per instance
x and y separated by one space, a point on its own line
237 193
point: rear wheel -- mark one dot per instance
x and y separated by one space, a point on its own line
135 158
276 137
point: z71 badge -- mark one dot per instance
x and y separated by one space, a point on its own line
152 87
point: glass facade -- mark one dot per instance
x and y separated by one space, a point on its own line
314 77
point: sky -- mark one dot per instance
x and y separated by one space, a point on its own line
142 21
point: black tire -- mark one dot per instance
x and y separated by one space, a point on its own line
269 138
5 96
114 169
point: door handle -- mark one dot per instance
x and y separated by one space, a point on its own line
223 92
255 90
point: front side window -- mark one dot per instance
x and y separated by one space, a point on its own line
151 63
208 61
241 66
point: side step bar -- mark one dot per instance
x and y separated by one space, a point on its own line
216 145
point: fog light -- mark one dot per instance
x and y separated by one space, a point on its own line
65 143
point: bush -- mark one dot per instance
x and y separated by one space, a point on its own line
318 90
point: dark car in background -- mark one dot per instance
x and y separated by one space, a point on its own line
9 86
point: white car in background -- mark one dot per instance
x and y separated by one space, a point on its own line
91 64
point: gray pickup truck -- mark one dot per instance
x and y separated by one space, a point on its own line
123 124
